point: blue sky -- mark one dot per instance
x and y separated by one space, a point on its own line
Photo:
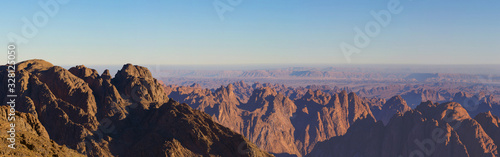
104 32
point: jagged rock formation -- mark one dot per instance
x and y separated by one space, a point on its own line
474 103
128 115
321 117
110 104
273 121
242 90
491 125
479 103
316 118
264 119
430 130
393 106
415 97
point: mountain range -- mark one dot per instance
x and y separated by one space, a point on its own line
79 112
307 116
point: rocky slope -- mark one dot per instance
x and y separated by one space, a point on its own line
491 125
31 137
431 129
128 115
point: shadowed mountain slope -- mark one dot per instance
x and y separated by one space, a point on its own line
431 129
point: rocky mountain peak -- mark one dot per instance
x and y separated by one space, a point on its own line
450 111
393 106
127 116
82 71
263 93
397 100
317 96
230 87
34 65
195 85
138 84
106 75
129 70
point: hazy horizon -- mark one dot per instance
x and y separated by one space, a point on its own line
377 68
277 32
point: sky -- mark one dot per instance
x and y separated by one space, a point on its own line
193 32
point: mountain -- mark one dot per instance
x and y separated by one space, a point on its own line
431 129
417 96
97 115
478 103
273 121
264 119
491 125
318 116
321 116
393 106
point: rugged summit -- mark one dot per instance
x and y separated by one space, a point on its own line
96 115
393 106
